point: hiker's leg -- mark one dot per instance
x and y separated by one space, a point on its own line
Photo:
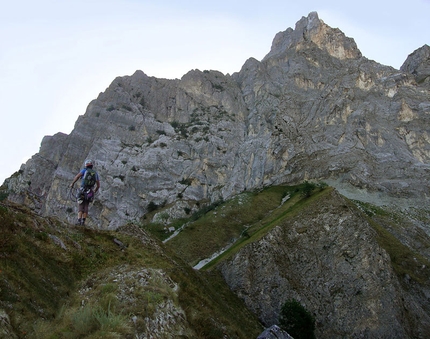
80 214
85 211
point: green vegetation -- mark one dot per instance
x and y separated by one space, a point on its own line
85 322
249 216
3 195
91 289
405 260
296 320
4 192
186 181
240 220
218 87
127 108
308 187
180 128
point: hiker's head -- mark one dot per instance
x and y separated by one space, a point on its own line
88 163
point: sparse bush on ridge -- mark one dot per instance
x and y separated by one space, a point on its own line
152 206
308 187
296 320
85 321
3 195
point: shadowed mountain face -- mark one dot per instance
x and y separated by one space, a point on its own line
346 269
314 108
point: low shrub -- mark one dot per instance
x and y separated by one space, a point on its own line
296 320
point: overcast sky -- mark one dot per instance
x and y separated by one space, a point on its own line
56 56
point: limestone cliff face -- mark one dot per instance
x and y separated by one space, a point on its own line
327 257
313 108
418 63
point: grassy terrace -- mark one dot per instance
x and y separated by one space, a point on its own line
249 216
238 221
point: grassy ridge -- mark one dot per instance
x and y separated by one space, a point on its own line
391 228
61 281
240 220
49 268
249 216
256 231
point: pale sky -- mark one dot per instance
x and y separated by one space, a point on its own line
56 56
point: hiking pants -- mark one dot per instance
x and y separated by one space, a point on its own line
84 206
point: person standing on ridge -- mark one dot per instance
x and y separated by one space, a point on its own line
86 193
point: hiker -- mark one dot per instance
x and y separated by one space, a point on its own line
86 193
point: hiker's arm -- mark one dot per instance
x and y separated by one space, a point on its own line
97 186
77 177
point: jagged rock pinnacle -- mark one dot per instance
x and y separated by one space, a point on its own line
418 64
311 29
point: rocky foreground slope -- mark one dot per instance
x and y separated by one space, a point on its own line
61 281
360 270
313 108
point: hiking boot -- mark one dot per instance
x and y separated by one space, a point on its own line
79 222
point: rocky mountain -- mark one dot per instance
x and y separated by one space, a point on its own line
418 63
348 271
362 271
313 109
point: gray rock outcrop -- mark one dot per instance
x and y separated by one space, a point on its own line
6 330
327 257
418 63
314 108
274 332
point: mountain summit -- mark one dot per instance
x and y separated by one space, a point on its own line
313 30
313 109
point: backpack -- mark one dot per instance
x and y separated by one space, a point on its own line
90 177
